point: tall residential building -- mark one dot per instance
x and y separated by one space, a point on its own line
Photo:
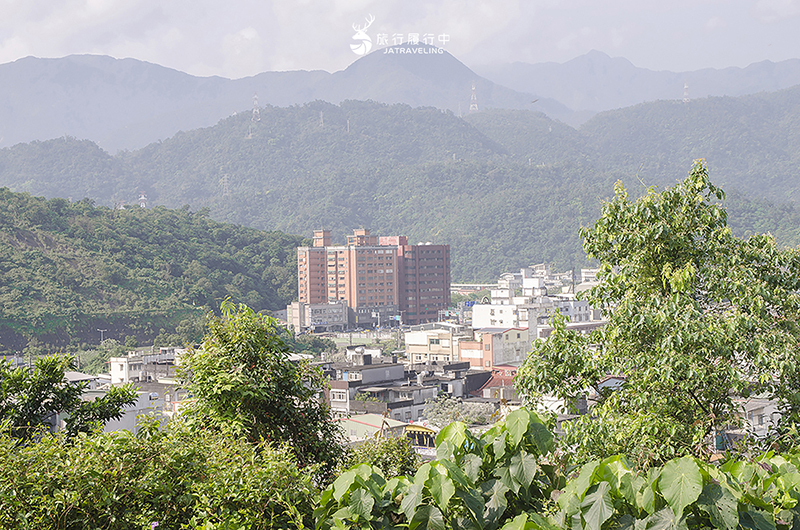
379 278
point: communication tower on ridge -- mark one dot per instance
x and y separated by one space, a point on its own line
256 117
686 92
225 181
142 200
256 113
473 100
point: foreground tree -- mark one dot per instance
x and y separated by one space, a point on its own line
446 409
32 398
696 319
245 384
157 478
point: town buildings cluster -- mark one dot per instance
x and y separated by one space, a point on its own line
368 282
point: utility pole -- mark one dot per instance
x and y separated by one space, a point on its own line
101 334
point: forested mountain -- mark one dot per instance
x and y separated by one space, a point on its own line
751 143
127 104
504 188
68 269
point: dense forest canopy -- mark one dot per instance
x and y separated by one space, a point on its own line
505 188
67 269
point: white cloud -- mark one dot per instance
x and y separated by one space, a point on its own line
245 37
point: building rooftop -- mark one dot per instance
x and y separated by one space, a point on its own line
373 420
347 367
74 377
498 330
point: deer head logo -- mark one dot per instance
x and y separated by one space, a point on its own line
365 45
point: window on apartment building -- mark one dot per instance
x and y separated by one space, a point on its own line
434 341
519 336
486 346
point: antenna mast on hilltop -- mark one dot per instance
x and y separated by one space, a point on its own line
256 117
473 100
686 92
225 181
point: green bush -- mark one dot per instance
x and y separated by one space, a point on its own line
176 478
394 456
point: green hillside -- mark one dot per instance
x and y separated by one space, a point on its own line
751 143
504 188
67 269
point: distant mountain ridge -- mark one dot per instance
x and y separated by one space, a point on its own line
127 104
597 82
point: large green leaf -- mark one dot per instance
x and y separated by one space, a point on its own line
455 433
661 520
517 523
445 450
473 500
412 499
472 466
538 522
427 518
646 497
455 472
721 506
597 507
680 483
579 485
542 437
503 474
494 492
442 489
361 503
342 484
517 425
523 468
499 445
757 520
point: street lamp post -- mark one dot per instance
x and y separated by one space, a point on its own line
101 334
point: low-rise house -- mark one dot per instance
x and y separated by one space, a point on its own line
435 342
92 381
331 316
370 426
496 346
457 379
401 402
141 367
500 386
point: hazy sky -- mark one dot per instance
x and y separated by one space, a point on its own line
238 38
